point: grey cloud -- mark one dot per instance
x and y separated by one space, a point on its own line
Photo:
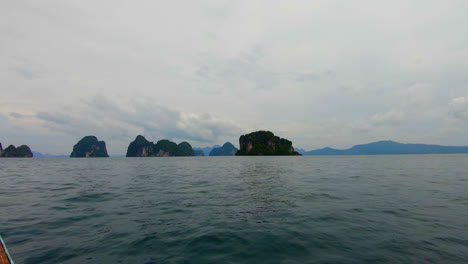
18 115
352 88
307 77
390 118
3 119
55 118
390 70
235 72
25 73
146 117
417 95
304 77
459 108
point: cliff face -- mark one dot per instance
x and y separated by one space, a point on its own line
264 143
11 151
1 149
89 147
141 147
226 150
166 148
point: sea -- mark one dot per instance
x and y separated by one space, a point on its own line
308 209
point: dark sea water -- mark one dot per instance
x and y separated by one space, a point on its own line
350 209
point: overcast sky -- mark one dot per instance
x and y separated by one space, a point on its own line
320 73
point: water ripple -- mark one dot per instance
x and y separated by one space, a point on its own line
382 209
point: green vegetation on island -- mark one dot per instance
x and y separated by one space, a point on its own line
264 143
11 151
226 150
184 149
141 147
89 147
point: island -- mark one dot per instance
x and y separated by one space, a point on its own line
264 143
141 147
226 150
89 147
11 151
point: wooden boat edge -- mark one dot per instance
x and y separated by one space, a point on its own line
4 250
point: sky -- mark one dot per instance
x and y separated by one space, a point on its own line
320 73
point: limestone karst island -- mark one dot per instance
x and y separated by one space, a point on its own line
264 143
141 147
259 143
89 147
11 151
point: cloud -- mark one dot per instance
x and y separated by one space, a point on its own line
459 108
243 70
352 88
18 115
417 95
25 73
102 116
213 69
390 118
3 119
312 76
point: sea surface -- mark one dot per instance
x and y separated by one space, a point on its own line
315 209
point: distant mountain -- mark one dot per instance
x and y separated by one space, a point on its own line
300 151
198 152
390 147
207 150
46 155
117 156
227 149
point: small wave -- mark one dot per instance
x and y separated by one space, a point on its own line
95 197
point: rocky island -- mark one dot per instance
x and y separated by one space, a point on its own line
89 147
11 151
264 143
141 147
226 150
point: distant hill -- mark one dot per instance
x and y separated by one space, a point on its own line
226 150
207 150
198 152
300 151
390 147
46 155
117 156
